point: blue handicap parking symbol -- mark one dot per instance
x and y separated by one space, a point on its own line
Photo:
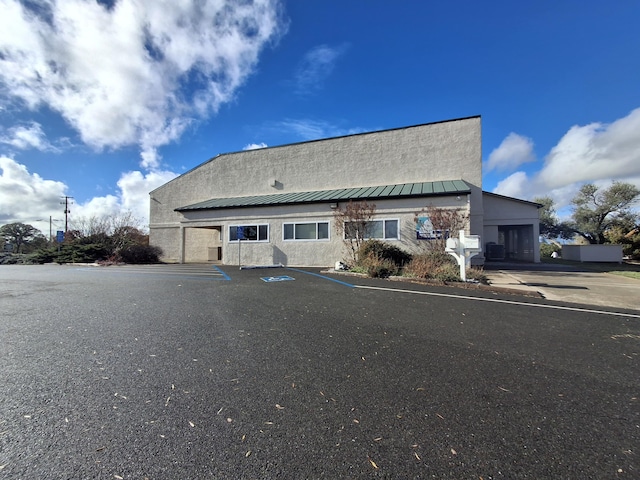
281 278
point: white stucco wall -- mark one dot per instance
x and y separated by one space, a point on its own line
500 210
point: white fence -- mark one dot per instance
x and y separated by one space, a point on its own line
592 253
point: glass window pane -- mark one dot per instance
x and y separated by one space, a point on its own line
251 232
264 232
323 230
233 230
305 231
374 229
288 231
391 229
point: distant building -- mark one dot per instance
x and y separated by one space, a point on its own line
284 198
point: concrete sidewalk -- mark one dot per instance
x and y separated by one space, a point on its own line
567 283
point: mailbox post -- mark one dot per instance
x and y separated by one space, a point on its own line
462 249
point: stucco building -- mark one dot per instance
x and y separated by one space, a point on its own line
284 198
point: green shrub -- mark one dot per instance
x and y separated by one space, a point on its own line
384 251
74 253
10 258
546 249
44 255
140 254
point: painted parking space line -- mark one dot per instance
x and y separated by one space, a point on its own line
205 272
222 274
497 300
322 276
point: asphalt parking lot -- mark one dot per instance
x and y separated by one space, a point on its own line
193 372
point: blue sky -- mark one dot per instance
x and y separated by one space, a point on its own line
104 101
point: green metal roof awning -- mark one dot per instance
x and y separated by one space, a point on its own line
379 192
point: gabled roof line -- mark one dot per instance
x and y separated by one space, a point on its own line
513 199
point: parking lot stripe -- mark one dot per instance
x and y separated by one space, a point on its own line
322 276
497 300
209 272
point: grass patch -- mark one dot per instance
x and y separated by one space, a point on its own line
627 273
625 269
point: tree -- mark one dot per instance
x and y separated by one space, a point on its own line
629 239
114 232
353 223
597 210
550 226
19 234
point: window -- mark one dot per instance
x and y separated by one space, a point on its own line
306 231
379 229
249 233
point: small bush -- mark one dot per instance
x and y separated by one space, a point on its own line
10 258
140 254
384 251
546 249
434 265
477 274
380 268
89 253
44 255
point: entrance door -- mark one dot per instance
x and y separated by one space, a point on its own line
518 242
203 244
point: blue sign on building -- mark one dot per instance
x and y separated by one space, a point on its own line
240 233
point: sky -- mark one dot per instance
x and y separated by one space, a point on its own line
103 101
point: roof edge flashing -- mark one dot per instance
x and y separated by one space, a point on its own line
383 192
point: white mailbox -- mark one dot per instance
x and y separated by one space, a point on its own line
462 249
472 242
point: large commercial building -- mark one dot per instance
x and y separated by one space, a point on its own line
282 200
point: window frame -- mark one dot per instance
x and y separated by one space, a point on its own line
257 227
384 229
317 224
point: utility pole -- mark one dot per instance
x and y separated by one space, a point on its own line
66 213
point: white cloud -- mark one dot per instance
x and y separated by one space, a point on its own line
28 198
137 73
314 129
135 188
24 137
513 186
132 196
596 153
255 146
512 152
315 67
